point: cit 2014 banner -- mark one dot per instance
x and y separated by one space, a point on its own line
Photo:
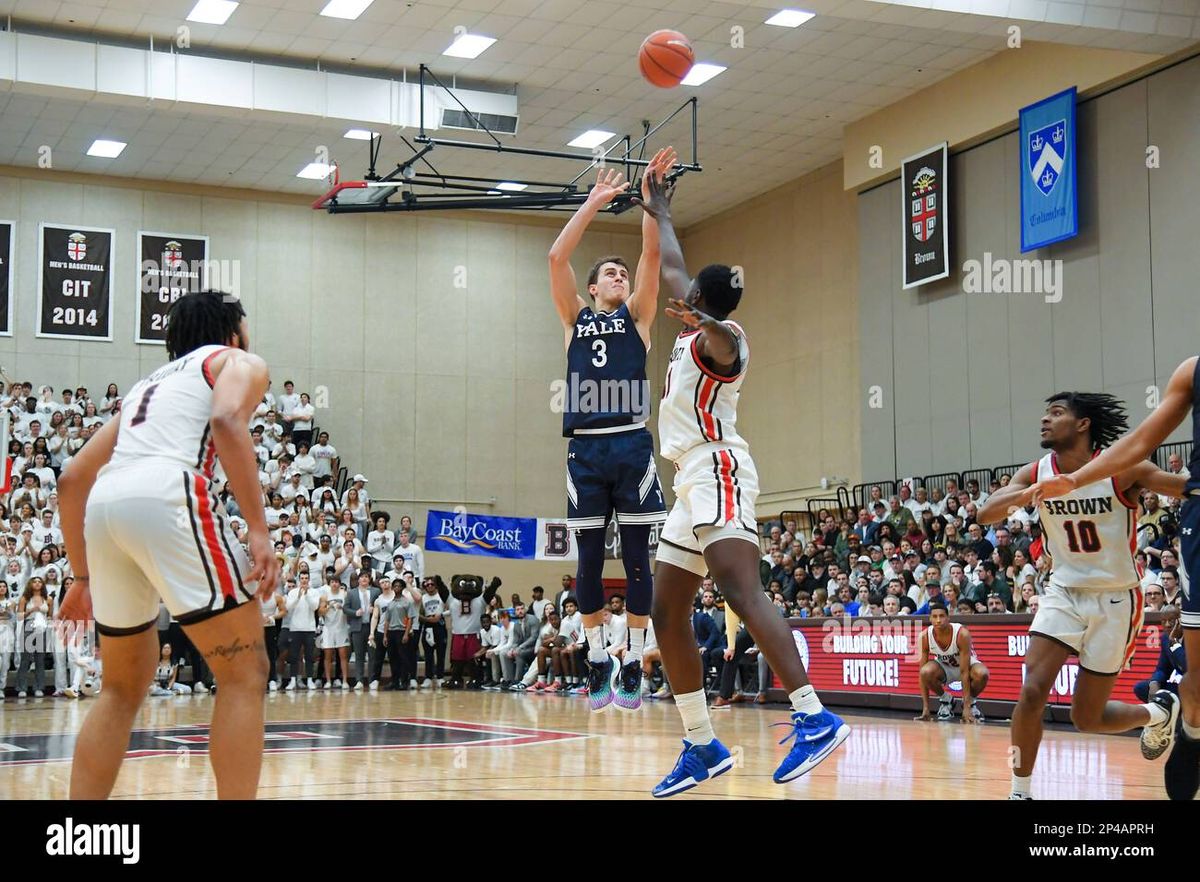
1049 186
544 539
6 277
75 282
169 266
925 213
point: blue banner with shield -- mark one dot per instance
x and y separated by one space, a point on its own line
1049 183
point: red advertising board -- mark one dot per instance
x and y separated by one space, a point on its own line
879 656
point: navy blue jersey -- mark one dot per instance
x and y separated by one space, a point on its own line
1193 465
606 382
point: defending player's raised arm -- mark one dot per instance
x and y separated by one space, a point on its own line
643 302
563 284
1146 475
73 489
241 379
1137 445
1002 503
657 203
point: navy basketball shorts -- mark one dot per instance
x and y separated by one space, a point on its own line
1189 560
613 473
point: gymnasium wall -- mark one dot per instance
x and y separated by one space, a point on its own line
798 246
953 400
439 394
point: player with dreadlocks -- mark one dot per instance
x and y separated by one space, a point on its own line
1092 607
1182 396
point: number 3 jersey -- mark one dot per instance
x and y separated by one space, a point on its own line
606 388
165 417
1091 533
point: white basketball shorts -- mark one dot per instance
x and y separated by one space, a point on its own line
158 532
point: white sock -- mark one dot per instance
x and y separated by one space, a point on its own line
1021 786
541 678
637 641
1192 732
1158 713
595 641
693 708
804 701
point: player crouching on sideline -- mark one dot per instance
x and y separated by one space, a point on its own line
712 528
943 645
154 529
1092 607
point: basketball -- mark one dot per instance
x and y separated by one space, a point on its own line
665 58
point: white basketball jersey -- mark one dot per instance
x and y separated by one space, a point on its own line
165 417
1091 533
949 657
698 406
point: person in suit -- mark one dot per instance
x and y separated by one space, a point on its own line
360 601
523 647
709 640
566 593
866 529
1172 659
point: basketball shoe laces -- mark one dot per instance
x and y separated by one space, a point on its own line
806 724
689 764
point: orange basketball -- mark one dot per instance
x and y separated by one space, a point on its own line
665 58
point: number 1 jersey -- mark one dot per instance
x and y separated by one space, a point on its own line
165 417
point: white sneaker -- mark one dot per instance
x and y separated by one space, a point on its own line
312 684
272 686
343 685
374 686
428 684
20 695
439 682
1158 737
291 685
358 686
71 693
39 694
199 689
328 685
412 684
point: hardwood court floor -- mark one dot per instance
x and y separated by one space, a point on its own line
444 744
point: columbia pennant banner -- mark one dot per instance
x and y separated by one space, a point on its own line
1049 188
462 533
6 277
924 212
75 282
169 266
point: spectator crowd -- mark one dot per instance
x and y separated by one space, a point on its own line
356 608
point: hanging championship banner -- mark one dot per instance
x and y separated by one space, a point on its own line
169 266
7 236
75 282
1049 186
924 211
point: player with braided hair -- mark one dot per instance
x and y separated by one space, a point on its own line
1093 603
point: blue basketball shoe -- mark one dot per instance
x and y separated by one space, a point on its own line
697 762
816 737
